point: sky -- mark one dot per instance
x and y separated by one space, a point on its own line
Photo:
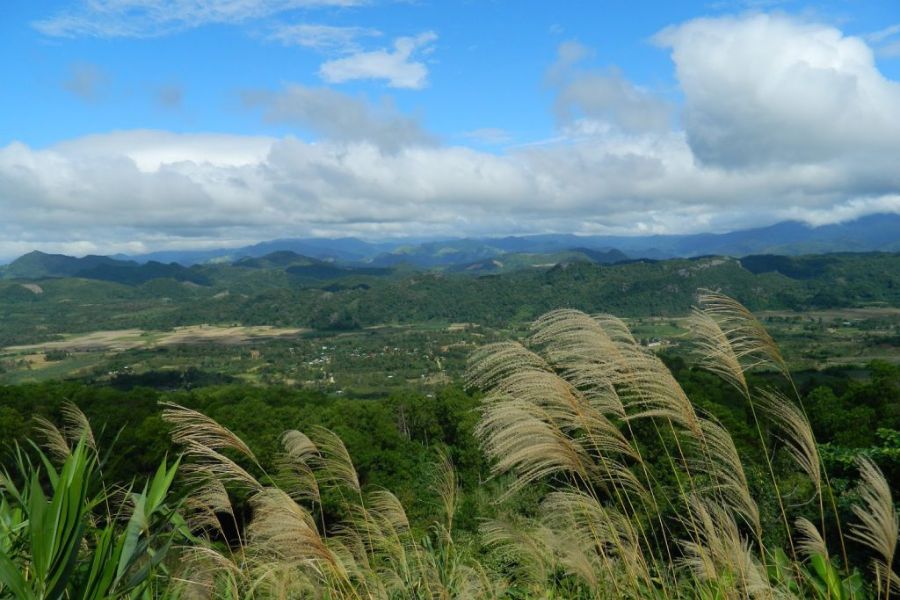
140 125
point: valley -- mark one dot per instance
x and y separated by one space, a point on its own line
284 318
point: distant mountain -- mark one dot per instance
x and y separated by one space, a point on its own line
279 259
134 274
339 249
515 261
603 257
38 265
790 238
324 270
866 234
305 267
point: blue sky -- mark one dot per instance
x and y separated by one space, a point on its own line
143 124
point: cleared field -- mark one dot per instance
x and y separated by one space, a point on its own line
128 339
871 312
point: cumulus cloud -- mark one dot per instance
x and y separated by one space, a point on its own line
396 66
339 117
151 150
770 89
165 189
86 81
153 18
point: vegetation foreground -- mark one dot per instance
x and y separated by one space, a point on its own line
638 493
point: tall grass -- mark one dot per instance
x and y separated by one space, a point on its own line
579 405
642 495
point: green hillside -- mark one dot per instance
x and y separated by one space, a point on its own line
324 296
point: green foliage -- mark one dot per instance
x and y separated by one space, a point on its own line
63 545
325 296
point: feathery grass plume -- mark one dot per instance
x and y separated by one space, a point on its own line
594 537
358 532
387 510
602 348
296 466
77 426
467 581
278 580
717 457
730 342
205 463
580 350
352 543
192 428
205 574
810 541
715 350
446 485
385 528
206 502
752 344
493 362
721 556
519 438
567 409
337 466
557 403
878 528
795 432
299 447
521 547
600 357
55 442
283 530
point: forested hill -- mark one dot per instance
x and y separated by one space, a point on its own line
292 291
38 265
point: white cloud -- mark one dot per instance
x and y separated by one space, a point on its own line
152 18
769 89
151 150
325 38
161 189
396 66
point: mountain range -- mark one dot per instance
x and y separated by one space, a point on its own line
879 232
323 257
